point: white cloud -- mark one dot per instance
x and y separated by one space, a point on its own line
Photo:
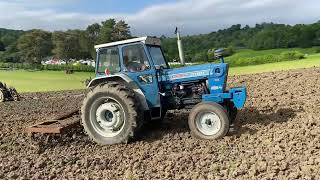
192 16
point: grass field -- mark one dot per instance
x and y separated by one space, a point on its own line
310 61
26 81
249 57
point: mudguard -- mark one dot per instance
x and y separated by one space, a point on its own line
129 82
239 96
236 95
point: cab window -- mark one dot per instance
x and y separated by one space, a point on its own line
135 58
108 60
157 56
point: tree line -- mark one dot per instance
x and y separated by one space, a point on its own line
35 45
32 46
260 37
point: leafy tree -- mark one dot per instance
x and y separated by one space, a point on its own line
113 31
121 31
196 47
93 31
105 34
85 45
66 45
210 54
12 54
72 44
34 46
2 47
202 56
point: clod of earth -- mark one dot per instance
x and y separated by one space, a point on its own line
276 136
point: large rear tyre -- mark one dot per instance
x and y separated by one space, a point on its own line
110 114
208 121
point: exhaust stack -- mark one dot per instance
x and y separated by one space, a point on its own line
180 47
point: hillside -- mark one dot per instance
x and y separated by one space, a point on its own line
260 37
9 36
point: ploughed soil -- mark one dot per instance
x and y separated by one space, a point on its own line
277 135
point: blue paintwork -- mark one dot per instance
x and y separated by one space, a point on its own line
215 75
150 90
236 95
186 74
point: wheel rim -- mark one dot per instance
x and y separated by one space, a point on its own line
208 123
107 117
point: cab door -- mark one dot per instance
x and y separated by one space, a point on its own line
137 65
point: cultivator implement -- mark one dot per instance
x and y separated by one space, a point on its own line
58 125
8 93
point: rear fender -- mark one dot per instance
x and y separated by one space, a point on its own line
122 79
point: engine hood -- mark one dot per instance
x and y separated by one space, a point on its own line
196 72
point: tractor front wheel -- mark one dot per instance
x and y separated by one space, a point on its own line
208 121
110 114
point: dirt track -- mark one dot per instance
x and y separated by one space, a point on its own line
277 136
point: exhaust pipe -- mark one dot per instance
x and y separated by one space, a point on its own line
180 47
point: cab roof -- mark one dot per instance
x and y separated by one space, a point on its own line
146 40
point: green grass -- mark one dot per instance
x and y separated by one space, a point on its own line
247 57
310 61
244 53
26 81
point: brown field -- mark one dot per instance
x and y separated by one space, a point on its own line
277 135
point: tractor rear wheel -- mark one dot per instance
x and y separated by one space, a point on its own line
110 114
208 121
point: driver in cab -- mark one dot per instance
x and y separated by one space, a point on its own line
133 65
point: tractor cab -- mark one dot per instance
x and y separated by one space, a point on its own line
137 61
134 55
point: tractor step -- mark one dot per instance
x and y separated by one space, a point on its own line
58 125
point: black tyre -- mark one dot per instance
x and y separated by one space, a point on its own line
110 114
232 111
208 121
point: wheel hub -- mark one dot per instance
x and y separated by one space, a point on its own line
208 123
109 118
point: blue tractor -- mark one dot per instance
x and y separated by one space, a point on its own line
135 84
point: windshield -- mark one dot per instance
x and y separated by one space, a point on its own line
108 60
157 56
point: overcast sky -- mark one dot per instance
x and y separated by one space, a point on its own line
155 17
